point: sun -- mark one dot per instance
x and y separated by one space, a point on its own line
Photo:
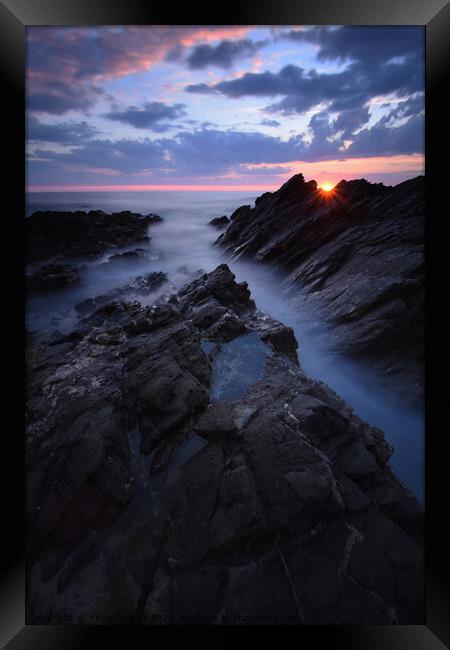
326 187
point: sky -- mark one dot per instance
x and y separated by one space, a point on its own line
222 107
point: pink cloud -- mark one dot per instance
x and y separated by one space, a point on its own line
65 64
105 53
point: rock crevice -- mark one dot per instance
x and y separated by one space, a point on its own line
274 501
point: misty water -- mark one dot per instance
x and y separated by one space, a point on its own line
183 243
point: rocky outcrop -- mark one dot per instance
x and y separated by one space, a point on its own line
82 234
127 256
219 222
357 255
159 489
141 285
53 277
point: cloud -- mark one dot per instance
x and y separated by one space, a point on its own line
350 120
412 107
202 89
270 123
369 44
175 54
124 156
302 90
213 153
223 55
150 116
370 105
58 97
381 140
205 151
67 133
250 84
66 64
380 62
110 52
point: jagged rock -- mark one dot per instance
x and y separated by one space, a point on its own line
82 234
167 377
142 285
77 447
154 217
216 420
219 221
125 257
53 277
357 256
145 284
220 286
283 340
276 501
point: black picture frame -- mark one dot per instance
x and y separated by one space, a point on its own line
15 15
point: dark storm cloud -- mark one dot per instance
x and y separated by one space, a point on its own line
67 133
222 55
150 116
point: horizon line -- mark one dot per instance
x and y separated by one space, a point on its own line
36 189
147 188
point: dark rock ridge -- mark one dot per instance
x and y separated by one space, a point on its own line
82 234
127 256
148 497
142 285
53 277
358 255
219 221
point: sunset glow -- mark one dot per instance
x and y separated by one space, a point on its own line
152 188
326 187
226 108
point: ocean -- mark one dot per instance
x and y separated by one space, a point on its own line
183 243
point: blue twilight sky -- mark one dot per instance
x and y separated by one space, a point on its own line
222 106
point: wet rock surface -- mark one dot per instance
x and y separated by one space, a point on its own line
141 285
82 234
357 255
53 277
219 222
152 492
